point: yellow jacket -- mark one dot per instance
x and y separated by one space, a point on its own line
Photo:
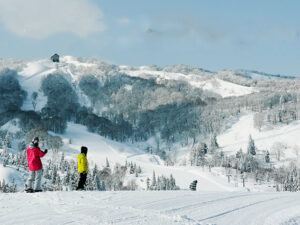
82 163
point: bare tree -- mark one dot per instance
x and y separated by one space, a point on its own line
296 150
278 149
34 97
258 120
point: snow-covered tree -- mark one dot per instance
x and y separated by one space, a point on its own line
258 120
107 163
251 146
278 149
213 142
153 185
34 97
267 157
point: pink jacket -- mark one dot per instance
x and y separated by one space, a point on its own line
34 155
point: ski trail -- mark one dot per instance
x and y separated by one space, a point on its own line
236 209
150 207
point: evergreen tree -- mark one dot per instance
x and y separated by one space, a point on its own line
131 171
173 182
7 140
153 180
95 171
251 146
139 170
21 146
46 172
148 183
239 154
205 148
267 157
107 163
97 183
54 174
103 186
4 188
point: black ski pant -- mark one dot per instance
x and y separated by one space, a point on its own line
82 180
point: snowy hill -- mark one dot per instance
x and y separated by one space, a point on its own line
206 81
237 136
124 86
145 128
32 73
101 148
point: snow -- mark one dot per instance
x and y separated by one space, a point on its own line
226 89
237 136
101 148
11 126
31 78
163 207
12 175
73 60
218 86
34 71
215 202
32 74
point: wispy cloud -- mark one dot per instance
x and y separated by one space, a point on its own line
123 20
186 27
39 19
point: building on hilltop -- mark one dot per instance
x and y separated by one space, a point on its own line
55 58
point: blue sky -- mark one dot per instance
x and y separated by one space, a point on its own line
213 34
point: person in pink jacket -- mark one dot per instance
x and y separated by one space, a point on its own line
34 155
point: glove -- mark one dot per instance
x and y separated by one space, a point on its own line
46 150
84 172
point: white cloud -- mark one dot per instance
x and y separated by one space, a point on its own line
123 20
41 18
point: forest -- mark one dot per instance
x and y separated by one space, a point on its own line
135 109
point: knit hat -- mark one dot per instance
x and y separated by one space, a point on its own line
35 141
84 150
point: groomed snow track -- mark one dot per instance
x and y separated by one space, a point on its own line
131 208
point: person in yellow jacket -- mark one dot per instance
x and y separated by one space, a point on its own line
82 167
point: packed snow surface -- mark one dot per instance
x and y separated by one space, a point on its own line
152 207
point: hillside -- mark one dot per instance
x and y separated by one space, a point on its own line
158 119
237 136
205 81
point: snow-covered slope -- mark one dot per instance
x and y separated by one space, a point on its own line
226 89
237 136
159 208
33 72
11 175
209 82
101 148
30 80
